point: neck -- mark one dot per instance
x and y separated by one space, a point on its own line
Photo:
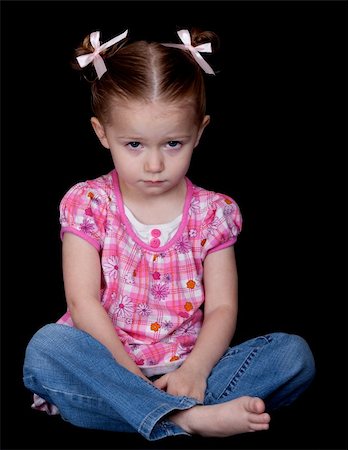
157 209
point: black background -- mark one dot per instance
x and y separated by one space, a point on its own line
275 144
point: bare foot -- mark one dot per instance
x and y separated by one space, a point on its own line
237 416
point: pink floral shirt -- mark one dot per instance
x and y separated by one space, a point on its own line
152 292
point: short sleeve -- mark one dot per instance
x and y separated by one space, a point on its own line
222 224
83 212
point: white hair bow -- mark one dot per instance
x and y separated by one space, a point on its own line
185 37
95 57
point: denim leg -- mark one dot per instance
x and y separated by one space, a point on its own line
277 367
72 370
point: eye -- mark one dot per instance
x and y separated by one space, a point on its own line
134 145
174 144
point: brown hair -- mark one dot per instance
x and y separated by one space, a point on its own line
148 71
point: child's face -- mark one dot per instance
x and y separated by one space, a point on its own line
151 144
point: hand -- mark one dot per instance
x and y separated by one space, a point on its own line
183 381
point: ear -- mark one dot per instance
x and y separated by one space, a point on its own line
100 132
204 123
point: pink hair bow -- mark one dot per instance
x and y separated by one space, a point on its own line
185 37
95 57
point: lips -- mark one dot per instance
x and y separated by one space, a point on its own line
153 181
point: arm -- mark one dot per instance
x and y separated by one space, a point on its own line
82 275
220 316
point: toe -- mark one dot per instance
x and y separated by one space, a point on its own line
256 405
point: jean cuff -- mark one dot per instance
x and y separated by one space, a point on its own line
154 427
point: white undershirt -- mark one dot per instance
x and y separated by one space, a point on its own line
163 232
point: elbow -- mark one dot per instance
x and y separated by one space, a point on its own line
224 312
80 308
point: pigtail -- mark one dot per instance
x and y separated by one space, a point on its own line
88 73
199 37
86 47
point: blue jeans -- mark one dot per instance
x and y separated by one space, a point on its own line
72 370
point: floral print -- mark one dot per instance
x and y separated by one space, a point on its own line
160 291
188 306
123 308
87 226
194 206
153 297
167 325
94 198
167 277
110 267
183 245
213 226
129 278
185 330
143 309
155 326
191 284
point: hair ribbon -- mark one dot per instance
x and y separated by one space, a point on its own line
185 37
95 57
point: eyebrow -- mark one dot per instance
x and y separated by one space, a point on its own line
130 138
169 138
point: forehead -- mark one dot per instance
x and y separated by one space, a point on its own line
132 113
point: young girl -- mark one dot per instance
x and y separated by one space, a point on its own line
149 269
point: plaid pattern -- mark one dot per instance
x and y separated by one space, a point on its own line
152 295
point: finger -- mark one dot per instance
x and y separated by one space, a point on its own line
161 383
199 397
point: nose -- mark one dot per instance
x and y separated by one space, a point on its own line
154 162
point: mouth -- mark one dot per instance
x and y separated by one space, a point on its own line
153 182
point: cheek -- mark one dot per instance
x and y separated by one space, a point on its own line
127 169
186 157
180 165
120 158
